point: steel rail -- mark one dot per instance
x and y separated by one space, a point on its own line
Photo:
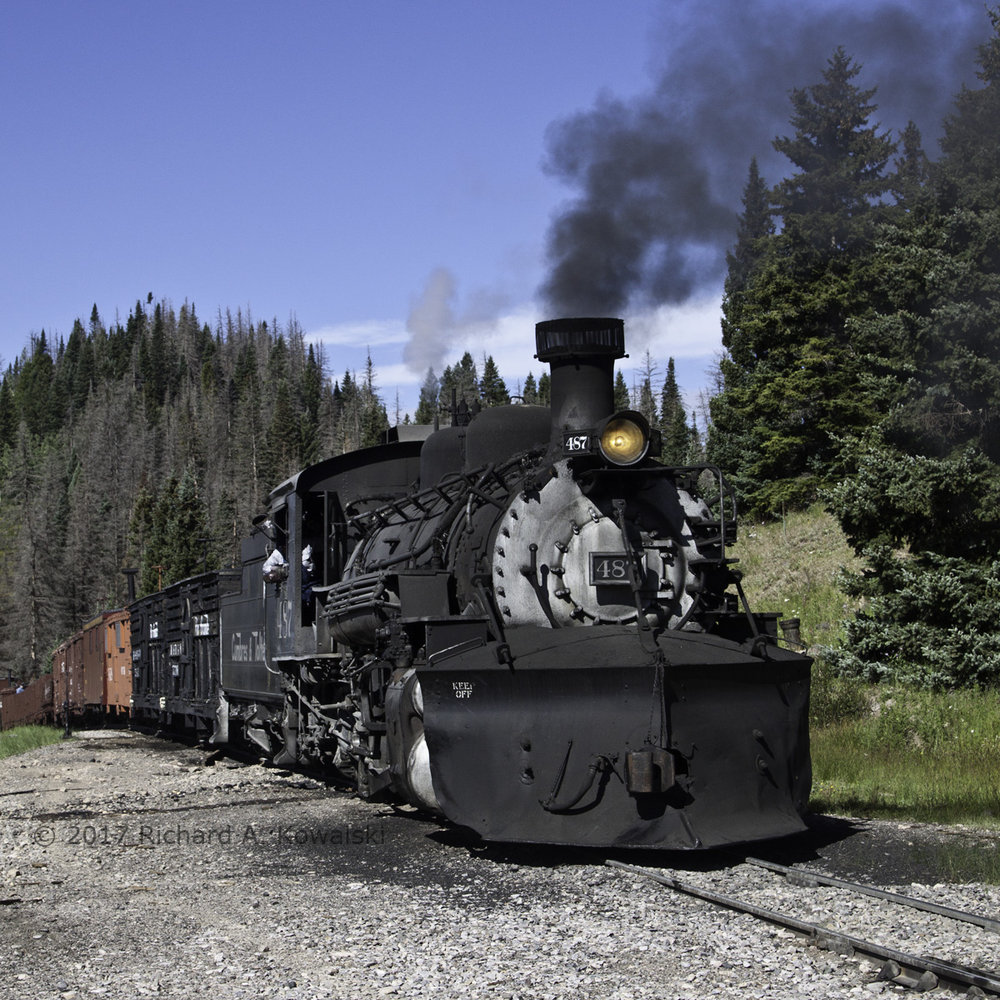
824 937
808 877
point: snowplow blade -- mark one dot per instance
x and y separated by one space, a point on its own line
590 737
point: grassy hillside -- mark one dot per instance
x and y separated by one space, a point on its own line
878 750
791 567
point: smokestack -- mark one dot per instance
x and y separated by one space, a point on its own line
582 354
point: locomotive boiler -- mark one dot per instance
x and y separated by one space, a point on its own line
524 623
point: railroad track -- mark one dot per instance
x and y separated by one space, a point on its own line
917 972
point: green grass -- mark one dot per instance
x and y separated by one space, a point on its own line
905 754
878 751
24 738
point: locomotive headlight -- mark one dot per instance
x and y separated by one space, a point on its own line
624 438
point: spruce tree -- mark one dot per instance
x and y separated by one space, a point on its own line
673 421
8 415
374 420
427 406
188 530
545 389
791 374
492 386
756 224
34 395
466 380
530 392
923 507
622 400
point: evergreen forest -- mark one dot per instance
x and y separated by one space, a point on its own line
860 369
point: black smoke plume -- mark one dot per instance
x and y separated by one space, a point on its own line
660 177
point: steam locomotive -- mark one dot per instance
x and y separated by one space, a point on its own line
524 623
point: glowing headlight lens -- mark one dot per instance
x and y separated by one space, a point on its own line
624 440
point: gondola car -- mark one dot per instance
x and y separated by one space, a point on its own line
27 705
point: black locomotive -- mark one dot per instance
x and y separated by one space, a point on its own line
525 623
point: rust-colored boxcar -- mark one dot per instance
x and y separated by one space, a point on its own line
67 683
85 666
117 639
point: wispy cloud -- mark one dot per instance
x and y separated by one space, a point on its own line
367 333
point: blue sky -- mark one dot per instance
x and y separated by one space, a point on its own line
378 170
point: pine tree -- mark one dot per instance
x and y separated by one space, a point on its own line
34 396
155 571
281 449
86 416
647 401
153 363
696 443
791 372
913 169
755 225
530 392
374 420
970 169
545 390
923 507
466 380
8 414
492 386
621 394
674 428
32 573
187 530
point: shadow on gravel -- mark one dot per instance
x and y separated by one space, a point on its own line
800 848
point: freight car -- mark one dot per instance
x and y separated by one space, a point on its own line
90 682
27 705
176 682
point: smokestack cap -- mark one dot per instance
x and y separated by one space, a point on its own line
580 337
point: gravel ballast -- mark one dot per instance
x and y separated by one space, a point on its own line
133 867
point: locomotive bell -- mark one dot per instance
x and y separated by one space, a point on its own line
581 352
